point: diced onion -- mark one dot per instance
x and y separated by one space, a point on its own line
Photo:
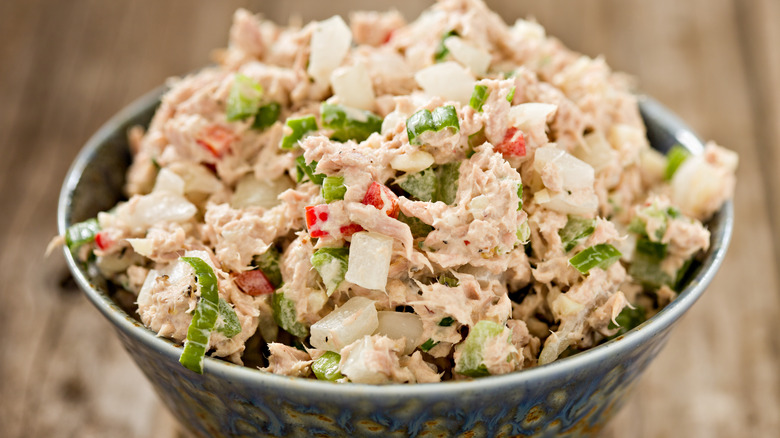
531 116
197 178
160 206
356 365
343 326
329 45
252 192
564 305
575 173
412 163
397 325
169 182
595 151
448 80
472 57
352 86
369 260
142 246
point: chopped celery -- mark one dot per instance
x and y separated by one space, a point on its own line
520 196
471 350
417 123
448 280
441 50
656 250
203 318
268 262
524 232
445 117
230 325
267 115
349 123
80 233
427 345
627 319
479 97
332 264
601 256
327 366
307 170
576 229
447 182
333 188
286 316
421 185
244 98
300 127
674 159
646 269
417 227
511 96
446 321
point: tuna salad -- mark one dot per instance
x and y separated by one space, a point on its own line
377 201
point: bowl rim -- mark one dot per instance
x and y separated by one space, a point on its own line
566 366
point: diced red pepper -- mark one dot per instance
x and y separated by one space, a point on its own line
254 283
513 144
216 139
381 197
348 230
388 37
317 215
103 240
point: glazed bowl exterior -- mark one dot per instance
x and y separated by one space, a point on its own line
573 397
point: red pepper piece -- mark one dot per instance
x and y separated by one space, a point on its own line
216 139
316 216
513 144
254 283
348 230
381 197
103 240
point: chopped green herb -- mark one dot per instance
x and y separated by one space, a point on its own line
332 264
81 233
230 325
601 256
427 345
445 117
333 188
244 98
627 320
417 123
441 50
418 227
520 196
479 97
267 115
576 229
300 127
268 262
349 123
286 316
674 159
446 321
307 170
511 96
326 367
203 318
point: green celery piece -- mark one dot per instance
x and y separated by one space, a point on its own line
417 123
680 276
445 117
286 316
268 262
307 170
646 269
203 318
349 123
576 229
230 326
421 185
655 250
446 321
447 280
674 159
470 362
524 232
326 367
267 115
476 139
333 188
331 264
479 97
418 227
511 96
427 345
627 320
244 98
638 224
300 127
81 233
441 50
447 182
601 256
520 196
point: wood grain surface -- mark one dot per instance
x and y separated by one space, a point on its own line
66 67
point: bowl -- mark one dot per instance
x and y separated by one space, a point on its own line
574 396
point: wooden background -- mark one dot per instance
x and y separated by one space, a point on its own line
66 67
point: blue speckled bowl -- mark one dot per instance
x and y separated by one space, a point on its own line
575 396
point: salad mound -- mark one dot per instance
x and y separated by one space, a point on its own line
383 201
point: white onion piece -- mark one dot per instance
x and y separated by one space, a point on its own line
448 80
699 187
575 173
252 192
531 116
352 86
343 326
528 30
411 163
397 325
581 204
652 163
329 45
472 57
169 182
356 364
156 207
142 246
369 260
595 151
197 178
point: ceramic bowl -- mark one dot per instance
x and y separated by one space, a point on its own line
574 396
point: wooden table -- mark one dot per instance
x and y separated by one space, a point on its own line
65 67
